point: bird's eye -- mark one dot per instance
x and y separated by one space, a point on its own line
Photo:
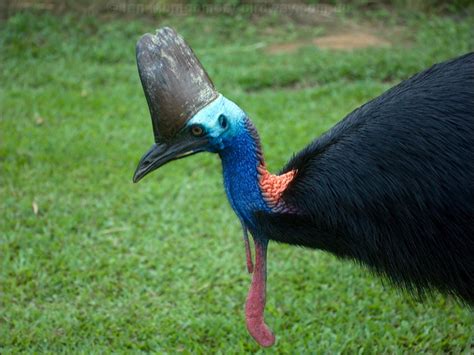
223 121
197 131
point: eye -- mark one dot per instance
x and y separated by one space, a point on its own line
197 131
223 121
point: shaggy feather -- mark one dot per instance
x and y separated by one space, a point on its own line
392 184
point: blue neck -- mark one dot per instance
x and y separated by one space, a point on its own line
239 163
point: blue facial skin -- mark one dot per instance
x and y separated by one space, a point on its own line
226 126
211 117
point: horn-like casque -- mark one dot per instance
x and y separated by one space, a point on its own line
175 83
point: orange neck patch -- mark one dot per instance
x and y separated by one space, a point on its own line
273 186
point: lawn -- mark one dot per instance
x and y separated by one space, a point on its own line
92 263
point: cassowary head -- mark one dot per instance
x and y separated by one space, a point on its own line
189 116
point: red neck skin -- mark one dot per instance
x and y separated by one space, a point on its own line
255 305
273 186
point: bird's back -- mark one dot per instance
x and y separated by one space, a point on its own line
392 185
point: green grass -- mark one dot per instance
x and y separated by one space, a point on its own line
106 265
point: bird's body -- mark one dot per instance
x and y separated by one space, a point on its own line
391 185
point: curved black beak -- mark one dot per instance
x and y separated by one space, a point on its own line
161 153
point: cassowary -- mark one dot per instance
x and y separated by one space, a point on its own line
390 186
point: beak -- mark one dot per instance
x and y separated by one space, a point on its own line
162 153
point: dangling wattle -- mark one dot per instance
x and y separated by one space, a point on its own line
250 188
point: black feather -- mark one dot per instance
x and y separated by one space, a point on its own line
392 184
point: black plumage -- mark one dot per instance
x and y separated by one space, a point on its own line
392 184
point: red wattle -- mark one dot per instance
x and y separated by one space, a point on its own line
255 305
248 255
